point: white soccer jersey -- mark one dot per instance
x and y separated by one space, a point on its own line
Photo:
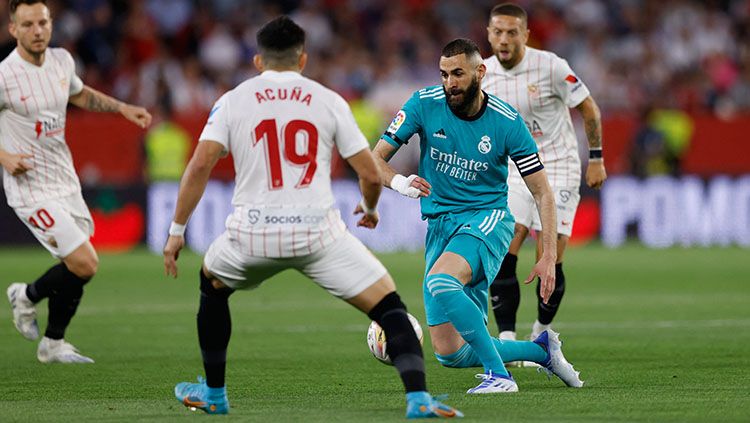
543 88
33 102
281 129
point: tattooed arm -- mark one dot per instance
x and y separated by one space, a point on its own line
95 101
592 121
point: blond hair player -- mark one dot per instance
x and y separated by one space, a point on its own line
36 85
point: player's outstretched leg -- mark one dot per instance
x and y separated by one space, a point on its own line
406 354
24 312
214 331
556 363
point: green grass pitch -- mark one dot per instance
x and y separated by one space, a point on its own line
658 336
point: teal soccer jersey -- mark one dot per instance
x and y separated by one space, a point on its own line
465 160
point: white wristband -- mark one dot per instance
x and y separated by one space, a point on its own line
366 209
175 229
402 185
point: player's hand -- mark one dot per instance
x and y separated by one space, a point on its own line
137 115
545 269
15 164
369 221
413 186
172 253
596 174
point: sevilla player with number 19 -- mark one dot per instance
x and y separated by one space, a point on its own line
281 129
36 85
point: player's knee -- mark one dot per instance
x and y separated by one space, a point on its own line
442 283
213 288
85 268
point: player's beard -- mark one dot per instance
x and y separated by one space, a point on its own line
35 48
461 107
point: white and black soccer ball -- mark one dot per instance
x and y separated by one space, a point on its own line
376 339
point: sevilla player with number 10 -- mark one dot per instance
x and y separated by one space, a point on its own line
36 85
281 129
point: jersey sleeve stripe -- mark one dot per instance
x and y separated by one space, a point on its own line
500 105
528 164
425 91
434 94
506 114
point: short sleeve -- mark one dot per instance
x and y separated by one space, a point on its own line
522 149
348 137
217 125
408 121
567 85
76 85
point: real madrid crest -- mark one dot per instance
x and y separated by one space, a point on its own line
484 146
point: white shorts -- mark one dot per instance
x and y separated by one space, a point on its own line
523 207
61 225
344 268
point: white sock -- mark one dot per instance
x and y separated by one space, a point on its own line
538 328
507 335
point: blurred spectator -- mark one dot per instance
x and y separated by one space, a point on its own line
167 145
628 51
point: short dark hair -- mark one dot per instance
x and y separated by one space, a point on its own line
281 41
13 4
510 9
461 46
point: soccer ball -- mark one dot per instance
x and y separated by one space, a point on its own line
376 339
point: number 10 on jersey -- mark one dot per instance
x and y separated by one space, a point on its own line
268 130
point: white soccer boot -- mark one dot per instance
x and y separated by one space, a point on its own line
556 363
494 384
59 351
24 312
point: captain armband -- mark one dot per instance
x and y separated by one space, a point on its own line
528 164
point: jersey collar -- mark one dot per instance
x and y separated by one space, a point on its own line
280 76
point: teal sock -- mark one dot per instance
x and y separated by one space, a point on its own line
508 350
461 359
466 318
520 350
419 397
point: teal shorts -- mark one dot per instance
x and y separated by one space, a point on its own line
480 237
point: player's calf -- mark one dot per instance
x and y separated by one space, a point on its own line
403 345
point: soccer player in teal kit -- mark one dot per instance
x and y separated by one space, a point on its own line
466 137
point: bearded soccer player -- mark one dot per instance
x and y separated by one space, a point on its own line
38 174
281 129
542 87
466 137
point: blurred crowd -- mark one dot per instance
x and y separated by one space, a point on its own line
633 54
